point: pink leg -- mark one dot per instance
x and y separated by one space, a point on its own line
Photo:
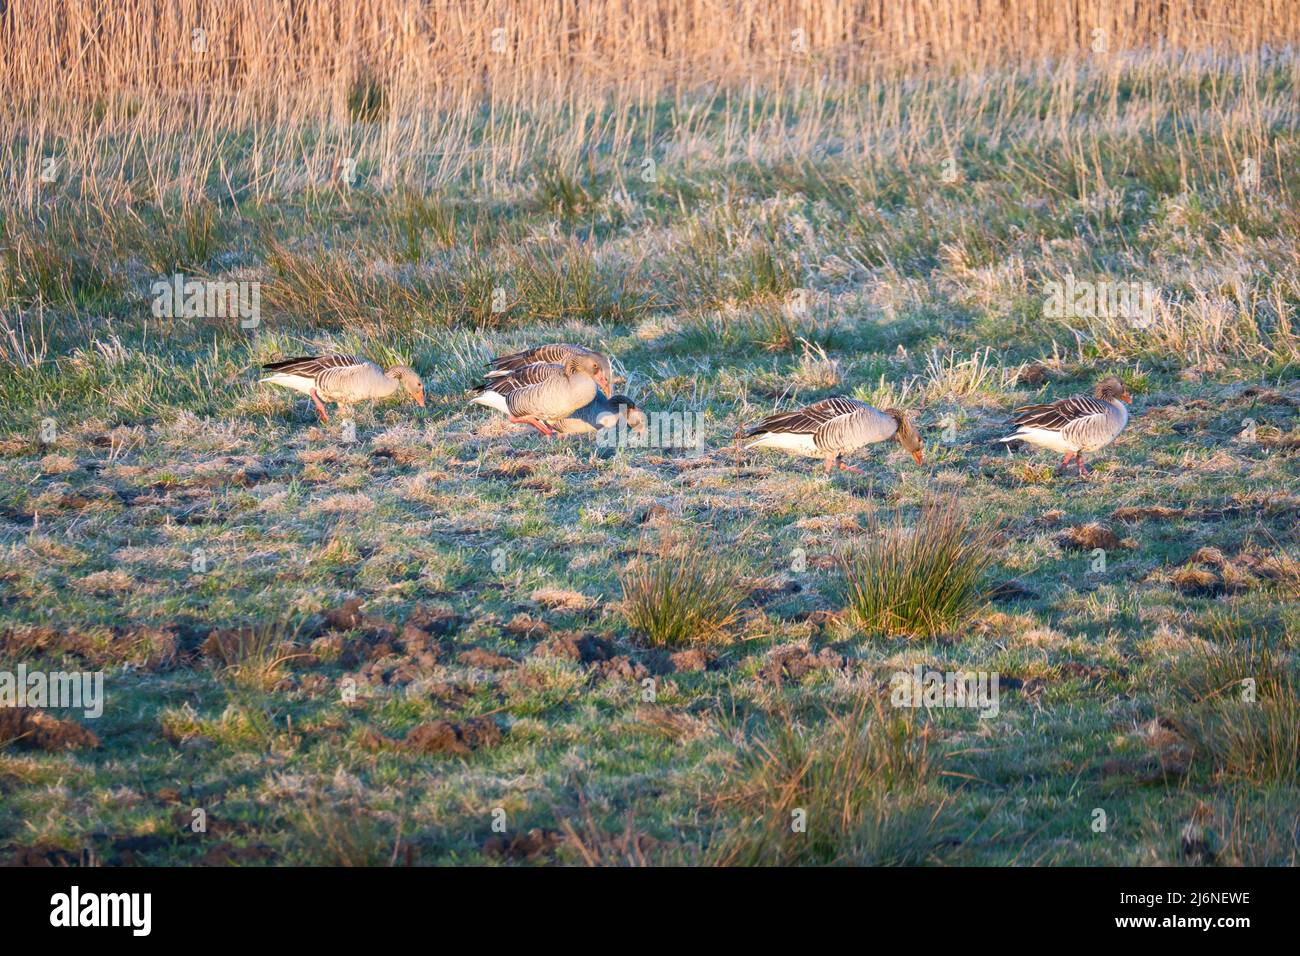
1082 471
856 471
539 425
830 464
320 406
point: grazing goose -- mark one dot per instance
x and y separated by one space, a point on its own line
343 379
832 427
543 393
602 412
553 354
1075 425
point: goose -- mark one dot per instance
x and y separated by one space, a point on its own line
343 379
555 353
602 412
832 427
543 393
1077 424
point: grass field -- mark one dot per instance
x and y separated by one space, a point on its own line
445 639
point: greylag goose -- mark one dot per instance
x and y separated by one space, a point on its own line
1075 425
343 379
544 393
556 353
833 427
602 412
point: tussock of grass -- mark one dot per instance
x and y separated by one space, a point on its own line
680 593
1255 740
1246 715
1233 651
332 835
856 782
917 581
255 656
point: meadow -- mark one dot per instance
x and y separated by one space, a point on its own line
428 636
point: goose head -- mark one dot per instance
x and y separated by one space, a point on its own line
906 435
1110 389
636 419
590 365
608 369
406 377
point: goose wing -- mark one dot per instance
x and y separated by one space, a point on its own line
311 366
809 419
522 388
554 353
1065 413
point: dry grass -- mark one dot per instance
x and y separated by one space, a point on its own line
1245 715
269 100
849 790
365 61
256 656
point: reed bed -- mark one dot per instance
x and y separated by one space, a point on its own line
142 103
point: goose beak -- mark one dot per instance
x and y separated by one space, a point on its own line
603 382
917 455
419 399
1126 397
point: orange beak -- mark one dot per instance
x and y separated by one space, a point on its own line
603 382
1126 397
419 399
917 456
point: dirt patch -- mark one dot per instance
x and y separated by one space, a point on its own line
581 648
794 661
1198 582
1267 396
692 660
534 844
130 850
451 737
1035 374
436 621
485 659
30 729
819 619
1160 751
1082 671
349 617
525 625
43 854
621 667
227 854
1210 573
1087 537
1011 591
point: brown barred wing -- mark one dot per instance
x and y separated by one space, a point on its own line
1058 415
810 418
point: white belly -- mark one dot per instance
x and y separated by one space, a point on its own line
491 400
1045 438
795 444
299 383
